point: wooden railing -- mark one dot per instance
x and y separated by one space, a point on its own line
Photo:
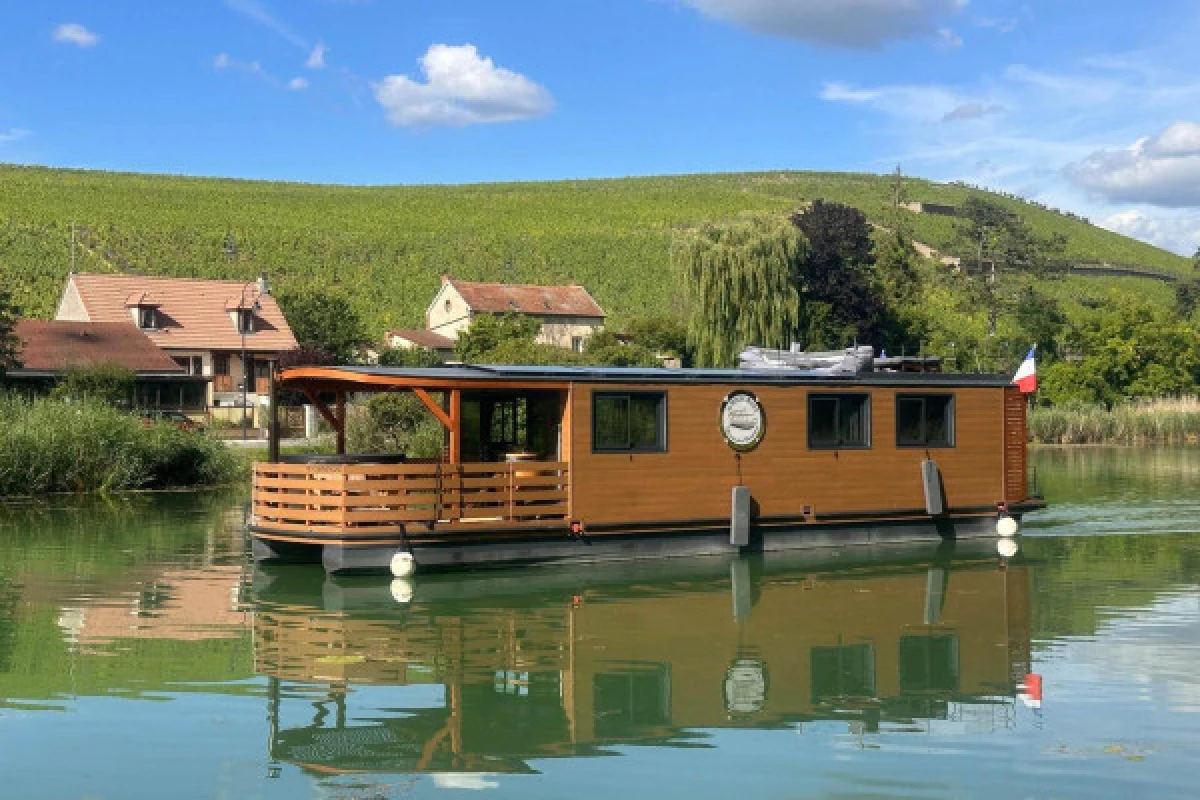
356 499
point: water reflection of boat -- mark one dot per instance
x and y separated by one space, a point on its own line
499 671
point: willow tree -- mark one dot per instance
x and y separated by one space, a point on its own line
739 279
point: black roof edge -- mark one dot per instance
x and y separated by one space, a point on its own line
654 375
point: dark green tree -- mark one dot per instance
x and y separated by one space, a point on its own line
661 335
326 319
9 346
1187 296
488 331
409 357
993 239
843 301
1041 320
896 262
104 383
604 349
740 283
1131 349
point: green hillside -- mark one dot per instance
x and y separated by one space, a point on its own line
386 246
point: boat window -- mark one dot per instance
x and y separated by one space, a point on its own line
629 422
839 420
842 671
929 663
632 700
925 420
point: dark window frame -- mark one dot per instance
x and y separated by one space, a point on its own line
925 444
147 318
661 446
245 322
868 429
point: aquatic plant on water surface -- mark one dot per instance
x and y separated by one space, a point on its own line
50 445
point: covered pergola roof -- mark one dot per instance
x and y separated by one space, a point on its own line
376 378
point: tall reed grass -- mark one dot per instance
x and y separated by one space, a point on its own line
1164 420
49 445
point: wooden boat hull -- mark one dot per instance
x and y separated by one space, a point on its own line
541 546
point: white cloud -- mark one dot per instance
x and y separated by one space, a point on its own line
460 88
1060 135
258 12
835 23
13 135
915 103
76 34
226 62
1179 232
316 58
948 38
465 780
297 84
1162 170
969 111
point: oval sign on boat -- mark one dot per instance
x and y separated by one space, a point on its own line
743 421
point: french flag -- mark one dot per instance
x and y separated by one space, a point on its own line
1026 377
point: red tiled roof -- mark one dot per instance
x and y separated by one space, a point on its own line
423 338
192 313
57 345
496 298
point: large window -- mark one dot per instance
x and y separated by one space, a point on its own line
629 422
632 700
925 420
846 670
839 421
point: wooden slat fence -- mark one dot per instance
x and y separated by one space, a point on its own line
367 498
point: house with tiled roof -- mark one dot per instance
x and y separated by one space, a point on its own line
568 314
49 349
219 330
408 338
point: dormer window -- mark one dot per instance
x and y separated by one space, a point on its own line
245 320
147 317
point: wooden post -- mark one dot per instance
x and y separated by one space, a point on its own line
340 428
455 426
273 408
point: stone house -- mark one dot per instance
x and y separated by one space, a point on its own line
568 314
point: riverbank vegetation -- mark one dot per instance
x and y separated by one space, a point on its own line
1160 421
54 445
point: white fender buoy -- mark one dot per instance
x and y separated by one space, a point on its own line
1006 547
1007 527
403 564
402 590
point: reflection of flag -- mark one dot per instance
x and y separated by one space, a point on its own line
1030 691
1026 377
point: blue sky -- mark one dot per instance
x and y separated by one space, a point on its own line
1088 105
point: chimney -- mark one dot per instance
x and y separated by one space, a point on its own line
264 286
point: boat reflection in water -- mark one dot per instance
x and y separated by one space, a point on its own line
486 672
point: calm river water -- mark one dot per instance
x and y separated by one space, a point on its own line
141 658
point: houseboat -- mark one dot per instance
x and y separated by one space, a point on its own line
548 464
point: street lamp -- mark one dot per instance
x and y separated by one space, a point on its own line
245 320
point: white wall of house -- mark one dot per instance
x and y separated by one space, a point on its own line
448 313
70 306
569 332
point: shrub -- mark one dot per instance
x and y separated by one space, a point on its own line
394 423
51 445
